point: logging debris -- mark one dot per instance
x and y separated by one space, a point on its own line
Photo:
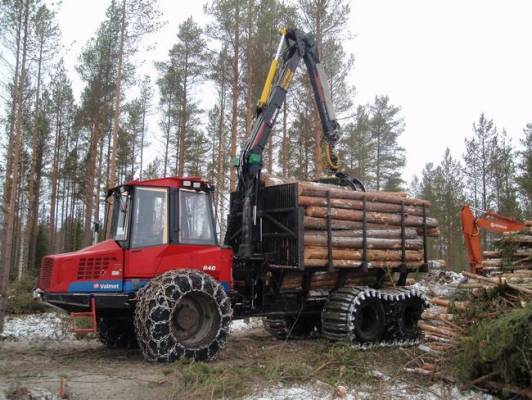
480 334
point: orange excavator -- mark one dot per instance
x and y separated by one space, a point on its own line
488 220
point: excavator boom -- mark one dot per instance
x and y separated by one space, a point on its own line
490 221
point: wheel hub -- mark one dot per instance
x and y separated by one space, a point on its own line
195 319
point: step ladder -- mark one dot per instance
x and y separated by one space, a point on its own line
76 316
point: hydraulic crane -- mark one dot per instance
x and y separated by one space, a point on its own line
488 220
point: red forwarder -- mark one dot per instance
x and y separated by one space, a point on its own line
160 279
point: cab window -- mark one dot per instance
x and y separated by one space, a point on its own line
195 218
150 217
119 204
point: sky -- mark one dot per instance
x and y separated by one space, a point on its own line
442 62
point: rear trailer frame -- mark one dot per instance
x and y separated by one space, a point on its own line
278 234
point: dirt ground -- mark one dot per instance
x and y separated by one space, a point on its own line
252 366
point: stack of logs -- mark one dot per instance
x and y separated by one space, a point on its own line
442 327
385 213
514 254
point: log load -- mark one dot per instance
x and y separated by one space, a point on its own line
389 225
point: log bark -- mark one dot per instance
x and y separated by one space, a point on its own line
410 233
371 216
492 262
373 255
316 262
269 180
439 330
356 243
460 305
496 281
316 190
491 254
359 205
315 223
435 314
517 238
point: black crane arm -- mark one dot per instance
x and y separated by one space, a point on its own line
294 46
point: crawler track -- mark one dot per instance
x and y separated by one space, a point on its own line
373 317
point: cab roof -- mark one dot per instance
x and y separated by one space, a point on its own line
169 181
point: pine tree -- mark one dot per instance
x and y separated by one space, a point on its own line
61 118
188 60
385 126
443 187
228 16
477 160
145 101
21 11
358 148
44 45
503 176
524 178
137 19
327 21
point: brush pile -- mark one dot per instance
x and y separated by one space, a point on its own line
344 228
514 252
481 335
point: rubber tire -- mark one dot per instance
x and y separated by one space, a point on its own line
117 333
409 313
378 321
156 303
306 326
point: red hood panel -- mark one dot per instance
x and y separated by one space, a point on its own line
102 261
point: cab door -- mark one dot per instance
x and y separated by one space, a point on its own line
148 236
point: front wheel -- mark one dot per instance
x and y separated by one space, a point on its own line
182 313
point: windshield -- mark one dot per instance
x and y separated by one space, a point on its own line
195 218
150 218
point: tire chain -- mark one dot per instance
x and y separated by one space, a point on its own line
153 312
338 314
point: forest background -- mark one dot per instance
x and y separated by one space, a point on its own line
61 149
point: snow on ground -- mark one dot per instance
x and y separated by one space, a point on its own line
440 283
50 326
54 326
245 325
386 390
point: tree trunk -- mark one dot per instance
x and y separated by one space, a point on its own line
220 179
35 171
111 179
91 172
142 140
9 160
235 94
10 217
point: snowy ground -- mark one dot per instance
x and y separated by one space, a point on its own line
386 390
53 328
47 326
393 391
440 283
